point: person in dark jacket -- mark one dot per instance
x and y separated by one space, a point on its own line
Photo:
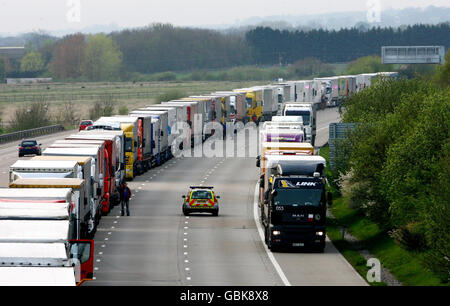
125 195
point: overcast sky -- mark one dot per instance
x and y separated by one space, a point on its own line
29 15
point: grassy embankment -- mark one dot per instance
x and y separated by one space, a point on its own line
406 266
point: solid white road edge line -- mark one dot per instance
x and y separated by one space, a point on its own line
261 235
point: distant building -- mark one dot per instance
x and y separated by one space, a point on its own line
16 81
13 53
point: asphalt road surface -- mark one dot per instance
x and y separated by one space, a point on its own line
158 245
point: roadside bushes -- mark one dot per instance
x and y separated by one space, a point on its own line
104 106
68 115
399 164
32 116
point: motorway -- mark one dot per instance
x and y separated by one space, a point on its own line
158 245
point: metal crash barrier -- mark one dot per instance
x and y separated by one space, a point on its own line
5 138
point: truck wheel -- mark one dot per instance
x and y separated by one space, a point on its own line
274 249
215 213
185 212
267 237
320 249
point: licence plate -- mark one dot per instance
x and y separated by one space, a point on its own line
298 244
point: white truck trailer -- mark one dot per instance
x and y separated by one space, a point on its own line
37 246
97 172
309 114
165 131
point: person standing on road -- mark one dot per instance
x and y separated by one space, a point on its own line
125 195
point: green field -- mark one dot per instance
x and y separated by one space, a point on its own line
83 96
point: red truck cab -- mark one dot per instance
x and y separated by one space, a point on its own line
84 124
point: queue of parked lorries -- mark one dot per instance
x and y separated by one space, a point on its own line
292 186
54 203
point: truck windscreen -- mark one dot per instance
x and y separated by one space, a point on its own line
305 115
299 191
128 144
249 102
300 197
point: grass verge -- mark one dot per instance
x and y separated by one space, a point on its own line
406 266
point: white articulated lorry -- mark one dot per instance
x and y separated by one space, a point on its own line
145 143
238 111
269 106
117 138
97 172
44 169
332 93
195 119
37 245
309 114
85 222
165 131
85 165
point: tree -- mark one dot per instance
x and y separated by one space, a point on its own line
311 67
339 46
368 64
2 69
31 116
103 58
443 72
5 66
32 62
46 50
164 47
68 57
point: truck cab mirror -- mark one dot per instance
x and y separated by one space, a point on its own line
330 199
162 133
258 161
218 197
100 180
183 196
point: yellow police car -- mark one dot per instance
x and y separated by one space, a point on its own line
200 199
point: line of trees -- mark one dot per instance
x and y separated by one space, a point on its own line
94 57
397 166
270 46
163 48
